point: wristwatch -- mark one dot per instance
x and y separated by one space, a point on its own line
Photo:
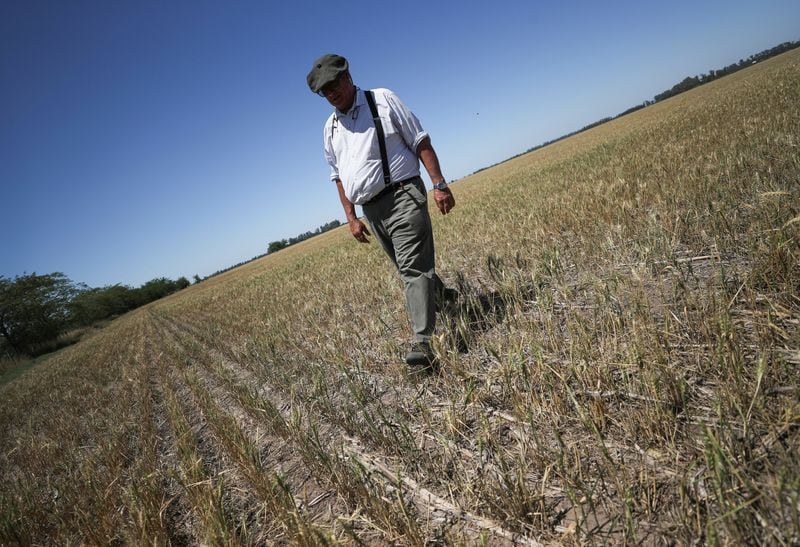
441 185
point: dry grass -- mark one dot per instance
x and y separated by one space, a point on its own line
622 366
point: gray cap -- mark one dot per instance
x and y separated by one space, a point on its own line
325 70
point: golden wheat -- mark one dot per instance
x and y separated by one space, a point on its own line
621 366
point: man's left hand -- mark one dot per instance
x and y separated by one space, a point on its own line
444 200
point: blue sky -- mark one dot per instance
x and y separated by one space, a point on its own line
147 139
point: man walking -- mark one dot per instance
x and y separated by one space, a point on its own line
373 144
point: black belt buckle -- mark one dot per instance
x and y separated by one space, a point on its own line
388 188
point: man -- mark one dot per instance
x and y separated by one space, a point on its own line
392 196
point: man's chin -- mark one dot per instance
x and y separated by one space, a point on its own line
341 103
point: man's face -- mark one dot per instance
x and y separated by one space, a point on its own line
341 92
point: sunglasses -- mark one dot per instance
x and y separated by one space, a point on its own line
330 86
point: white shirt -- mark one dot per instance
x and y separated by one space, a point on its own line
351 144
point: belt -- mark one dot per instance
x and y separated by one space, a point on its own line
389 188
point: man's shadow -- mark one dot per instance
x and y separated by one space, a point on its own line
471 314
465 314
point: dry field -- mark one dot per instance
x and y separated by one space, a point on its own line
622 366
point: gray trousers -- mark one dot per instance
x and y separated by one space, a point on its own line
400 222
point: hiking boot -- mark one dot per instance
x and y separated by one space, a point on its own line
420 355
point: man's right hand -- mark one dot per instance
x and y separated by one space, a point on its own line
359 230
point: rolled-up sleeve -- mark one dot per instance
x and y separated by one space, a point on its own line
406 122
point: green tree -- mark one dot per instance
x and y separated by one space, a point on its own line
155 289
93 305
276 246
34 309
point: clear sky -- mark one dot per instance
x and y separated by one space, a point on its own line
141 139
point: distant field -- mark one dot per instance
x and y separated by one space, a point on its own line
623 366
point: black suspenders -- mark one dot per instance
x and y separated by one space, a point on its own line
381 137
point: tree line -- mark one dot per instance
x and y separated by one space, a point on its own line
35 310
686 84
276 246
693 81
